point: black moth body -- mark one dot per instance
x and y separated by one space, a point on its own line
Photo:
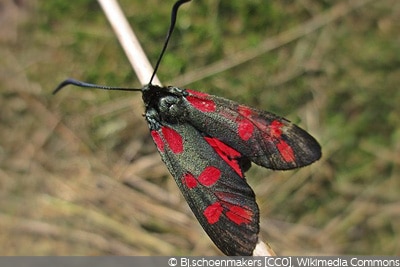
208 143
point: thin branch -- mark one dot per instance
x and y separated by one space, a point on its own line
128 41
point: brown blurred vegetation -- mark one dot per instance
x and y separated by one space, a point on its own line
79 174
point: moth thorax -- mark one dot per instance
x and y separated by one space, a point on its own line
171 108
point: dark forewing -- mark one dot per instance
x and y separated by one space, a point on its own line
264 138
210 177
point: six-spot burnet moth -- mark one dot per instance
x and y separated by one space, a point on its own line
208 143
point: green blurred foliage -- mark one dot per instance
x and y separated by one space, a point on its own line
340 83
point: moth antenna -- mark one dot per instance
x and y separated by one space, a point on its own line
170 30
90 85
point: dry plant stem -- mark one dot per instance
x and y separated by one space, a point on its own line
142 66
263 249
128 41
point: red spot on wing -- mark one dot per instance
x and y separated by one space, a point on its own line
234 213
275 129
209 176
286 151
189 180
173 138
245 129
201 101
157 139
239 215
245 126
227 153
197 93
213 212
245 111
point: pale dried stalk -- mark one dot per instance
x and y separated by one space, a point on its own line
128 41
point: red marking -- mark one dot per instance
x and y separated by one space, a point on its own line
173 138
213 212
286 151
228 154
245 111
200 101
239 215
189 180
209 176
157 139
204 105
245 126
197 93
275 129
245 129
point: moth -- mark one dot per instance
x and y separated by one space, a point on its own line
208 143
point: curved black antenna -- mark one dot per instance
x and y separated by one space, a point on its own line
90 85
170 30
104 87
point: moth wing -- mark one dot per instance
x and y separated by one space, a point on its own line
213 183
264 138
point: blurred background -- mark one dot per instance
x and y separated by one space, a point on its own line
80 175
